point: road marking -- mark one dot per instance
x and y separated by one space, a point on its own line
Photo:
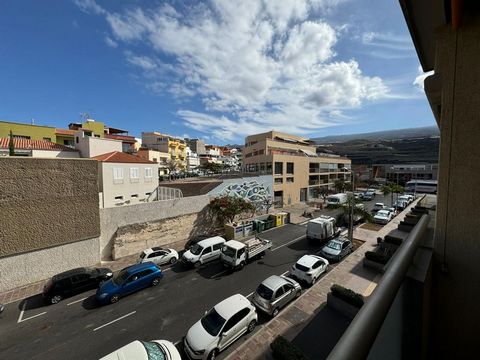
219 274
74 302
20 317
305 222
294 240
249 294
113 321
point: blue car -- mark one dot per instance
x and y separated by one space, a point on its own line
129 280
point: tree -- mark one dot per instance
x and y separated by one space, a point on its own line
11 145
172 165
212 167
226 208
340 186
267 203
391 188
352 205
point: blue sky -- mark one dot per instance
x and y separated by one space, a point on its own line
218 70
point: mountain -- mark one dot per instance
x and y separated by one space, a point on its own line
411 133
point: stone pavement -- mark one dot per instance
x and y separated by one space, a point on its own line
36 288
349 273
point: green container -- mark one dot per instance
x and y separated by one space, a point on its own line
258 225
269 223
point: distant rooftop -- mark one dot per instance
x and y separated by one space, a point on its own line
121 157
29 144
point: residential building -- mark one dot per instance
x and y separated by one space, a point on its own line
37 148
193 160
196 145
125 179
213 150
90 146
161 158
298 171
401 173
176 147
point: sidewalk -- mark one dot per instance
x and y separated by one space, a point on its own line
36 288
294 318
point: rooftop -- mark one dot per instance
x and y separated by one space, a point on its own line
121 157
29 144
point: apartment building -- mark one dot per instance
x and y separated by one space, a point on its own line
161 158
193 160
196 145
401 173
175 147
125 179
297 170
36 149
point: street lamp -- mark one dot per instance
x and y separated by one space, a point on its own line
352 204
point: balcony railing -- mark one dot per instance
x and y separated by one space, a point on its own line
360 336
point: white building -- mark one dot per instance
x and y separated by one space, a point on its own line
125 179
91 146
193 160
161 158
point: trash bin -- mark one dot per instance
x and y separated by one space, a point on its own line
285 217
270 222
278 219
233 231
247 228
258 225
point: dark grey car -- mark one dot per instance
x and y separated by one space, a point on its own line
336 249
274 293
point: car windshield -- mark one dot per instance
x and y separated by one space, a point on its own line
382 213
120 277
213 322
196 249
264 292
228 251
302 267
332 199
334 245
154 351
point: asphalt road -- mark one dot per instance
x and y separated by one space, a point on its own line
76 328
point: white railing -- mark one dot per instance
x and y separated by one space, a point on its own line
165 193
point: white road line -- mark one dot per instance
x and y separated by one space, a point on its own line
74 302
113 321
20 317
294 240
285 273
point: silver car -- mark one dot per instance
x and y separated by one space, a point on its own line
337 248
274 293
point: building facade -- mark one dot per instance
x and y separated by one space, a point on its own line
298 172
90 146
193 160
175 147
161 158
196 145
37 149
125 179
401 173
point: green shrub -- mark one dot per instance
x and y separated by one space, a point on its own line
389 239
347 295
377 257
283 349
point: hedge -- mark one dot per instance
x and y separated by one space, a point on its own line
389 239
377 257
347 295
283 349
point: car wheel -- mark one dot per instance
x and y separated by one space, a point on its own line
114 298
275 312
241 266
314 280
197 265
155 281
173 260
298 293
55 299
252 326
213 354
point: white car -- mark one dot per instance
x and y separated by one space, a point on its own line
309 268
378 206
221 326
159 256
383 217
406 198
145 350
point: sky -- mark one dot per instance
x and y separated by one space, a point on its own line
218 70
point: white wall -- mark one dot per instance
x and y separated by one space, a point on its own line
91 146
55 154
127 186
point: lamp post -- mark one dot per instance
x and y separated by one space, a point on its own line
351 205
396 201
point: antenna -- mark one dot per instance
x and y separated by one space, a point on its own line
33 121
84 116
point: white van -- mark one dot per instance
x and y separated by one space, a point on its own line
321 228
204 251
337 199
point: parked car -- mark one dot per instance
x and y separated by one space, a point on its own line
378 206
406 198
274 293
383 217
368 195
219 327
74 282
336 249
2 307
204 251
129 280
146 350
309 268
358 195
400 205
159 256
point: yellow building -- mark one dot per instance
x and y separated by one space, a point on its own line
175 147
298 171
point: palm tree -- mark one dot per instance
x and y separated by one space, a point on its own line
11 145
391 188
351 206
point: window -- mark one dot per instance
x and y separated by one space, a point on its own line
290 168
207 250
87 133
47 139
316 265
80 278
287 287
97 136
133 174
76 139
21 136
217 246
269 167
279 292
134 196
279 181
117 175
278 168
148 172
118 199
290 180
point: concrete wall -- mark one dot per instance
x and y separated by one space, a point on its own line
46 202
39 265
112 219
127 186
55 154
456 290
90 146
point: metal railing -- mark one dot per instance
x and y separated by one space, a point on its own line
359 337
165 193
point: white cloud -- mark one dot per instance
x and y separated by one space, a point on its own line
420 78
89 7
262 64
387 45
110 42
